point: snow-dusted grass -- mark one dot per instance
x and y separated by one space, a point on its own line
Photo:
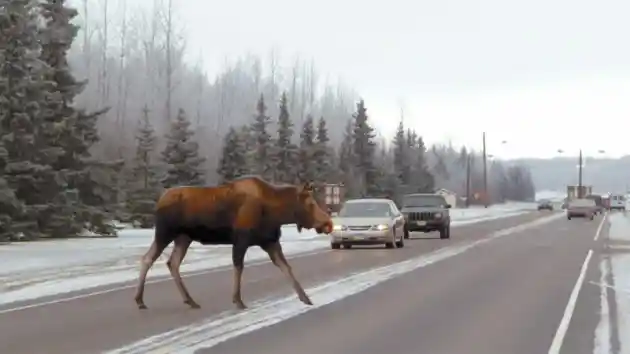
37 269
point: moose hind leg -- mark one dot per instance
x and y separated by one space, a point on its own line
182 243
274 250
154 252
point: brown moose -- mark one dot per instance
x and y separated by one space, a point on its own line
245 212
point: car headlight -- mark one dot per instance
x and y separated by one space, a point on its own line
437 215
339 228
381 227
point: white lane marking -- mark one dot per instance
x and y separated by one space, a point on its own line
561 332
230 324
601 343
166 278
600 227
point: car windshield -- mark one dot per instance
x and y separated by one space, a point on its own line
365 210
423 201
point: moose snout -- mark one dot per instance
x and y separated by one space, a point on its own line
325 228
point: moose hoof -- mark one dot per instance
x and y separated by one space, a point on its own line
192 304
142 306
239 304
306 300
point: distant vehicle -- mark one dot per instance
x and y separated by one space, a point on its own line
599 202
426 212
368 222
545 204
617 202
584 208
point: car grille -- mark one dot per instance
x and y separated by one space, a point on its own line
422 216
359 228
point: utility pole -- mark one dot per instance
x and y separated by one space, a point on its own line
467 181
579 192
485 173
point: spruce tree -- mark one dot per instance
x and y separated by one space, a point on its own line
90 189
23 93
423 180
307 163
322 156
233 162
9 204
402 167
144 183
285 156
364 151
181 155
261 153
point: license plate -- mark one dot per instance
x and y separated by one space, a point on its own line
421 223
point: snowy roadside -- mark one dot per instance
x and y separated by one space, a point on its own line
613 330
33 270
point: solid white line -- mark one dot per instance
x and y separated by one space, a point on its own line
556 345
184 275
600 227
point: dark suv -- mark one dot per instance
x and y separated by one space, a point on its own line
426 212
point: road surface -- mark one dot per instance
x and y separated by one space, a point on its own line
501 286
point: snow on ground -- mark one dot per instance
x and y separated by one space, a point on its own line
37 269
615 289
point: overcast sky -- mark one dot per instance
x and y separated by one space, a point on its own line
542 74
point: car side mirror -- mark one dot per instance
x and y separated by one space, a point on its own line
448 206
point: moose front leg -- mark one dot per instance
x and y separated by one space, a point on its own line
274 250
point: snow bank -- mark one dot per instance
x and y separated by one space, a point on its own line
617 285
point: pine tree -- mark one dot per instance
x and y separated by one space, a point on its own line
90 191
322 156
144 180
9 204
232 163
285 156
308 165
261 152
248 145
364 149
401 149
23 92
181 155
423 180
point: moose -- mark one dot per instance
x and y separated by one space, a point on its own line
247 211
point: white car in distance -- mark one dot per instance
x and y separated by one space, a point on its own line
368 222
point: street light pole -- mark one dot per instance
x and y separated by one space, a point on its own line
485 173
579 193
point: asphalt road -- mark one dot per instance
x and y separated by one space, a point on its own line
509 294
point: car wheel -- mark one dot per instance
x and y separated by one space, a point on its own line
347 246
389 245
335 246
445 232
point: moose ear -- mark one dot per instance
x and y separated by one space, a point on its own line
308 186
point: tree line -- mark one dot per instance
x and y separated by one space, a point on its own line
67 166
